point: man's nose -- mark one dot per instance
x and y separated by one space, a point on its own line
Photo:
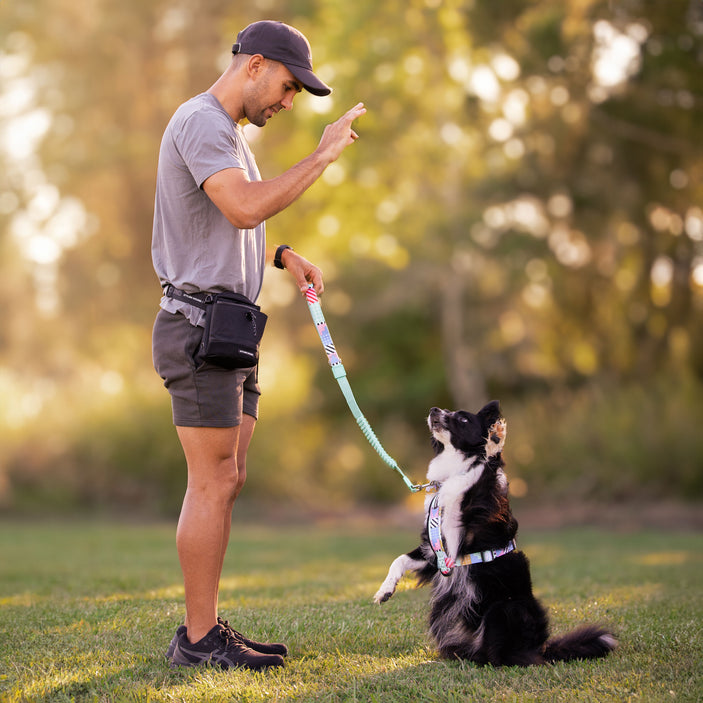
287 102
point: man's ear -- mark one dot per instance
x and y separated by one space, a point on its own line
255 65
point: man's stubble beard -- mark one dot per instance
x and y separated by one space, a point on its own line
253 109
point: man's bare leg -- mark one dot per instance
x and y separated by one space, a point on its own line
246 430
203 527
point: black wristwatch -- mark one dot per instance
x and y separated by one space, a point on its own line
277 257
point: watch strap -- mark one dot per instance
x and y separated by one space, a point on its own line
277 262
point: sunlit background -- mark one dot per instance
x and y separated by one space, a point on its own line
521 219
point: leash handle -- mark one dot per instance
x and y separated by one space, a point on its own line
339 372
325 337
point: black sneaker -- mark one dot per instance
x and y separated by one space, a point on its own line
263 647
172 646
220 648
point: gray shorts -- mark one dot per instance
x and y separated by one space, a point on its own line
202 394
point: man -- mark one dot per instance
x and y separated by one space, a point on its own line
209 236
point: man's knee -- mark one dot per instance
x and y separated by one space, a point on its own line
217 478
241 478
216 460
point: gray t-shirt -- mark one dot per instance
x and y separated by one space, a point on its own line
194 247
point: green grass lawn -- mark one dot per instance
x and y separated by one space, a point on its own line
87 609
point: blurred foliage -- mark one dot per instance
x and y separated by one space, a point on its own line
520 219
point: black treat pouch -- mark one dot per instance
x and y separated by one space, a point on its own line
233 329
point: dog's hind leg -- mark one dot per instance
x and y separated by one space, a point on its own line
413 561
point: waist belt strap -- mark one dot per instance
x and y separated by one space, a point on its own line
199 300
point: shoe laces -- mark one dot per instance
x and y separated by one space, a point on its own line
231 632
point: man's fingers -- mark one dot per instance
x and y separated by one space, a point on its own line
338 135
305 273
313 276
319 288
357 111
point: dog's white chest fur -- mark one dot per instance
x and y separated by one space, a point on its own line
450 462
457 475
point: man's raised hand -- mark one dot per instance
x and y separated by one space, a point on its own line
339 135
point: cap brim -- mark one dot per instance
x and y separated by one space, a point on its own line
310 81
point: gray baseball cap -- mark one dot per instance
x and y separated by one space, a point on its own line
280 42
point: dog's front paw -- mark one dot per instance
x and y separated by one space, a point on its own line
496 437
399 566
382 595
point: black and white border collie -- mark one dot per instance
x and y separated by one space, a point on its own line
482 606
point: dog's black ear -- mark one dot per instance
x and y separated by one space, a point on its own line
490 412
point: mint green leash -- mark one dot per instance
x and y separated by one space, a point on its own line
340 374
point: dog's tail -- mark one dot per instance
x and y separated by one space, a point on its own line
588 642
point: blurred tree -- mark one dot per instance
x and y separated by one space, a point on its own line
521 214
547 196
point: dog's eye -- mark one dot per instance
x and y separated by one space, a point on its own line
463 419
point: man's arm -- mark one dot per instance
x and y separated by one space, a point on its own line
247 203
